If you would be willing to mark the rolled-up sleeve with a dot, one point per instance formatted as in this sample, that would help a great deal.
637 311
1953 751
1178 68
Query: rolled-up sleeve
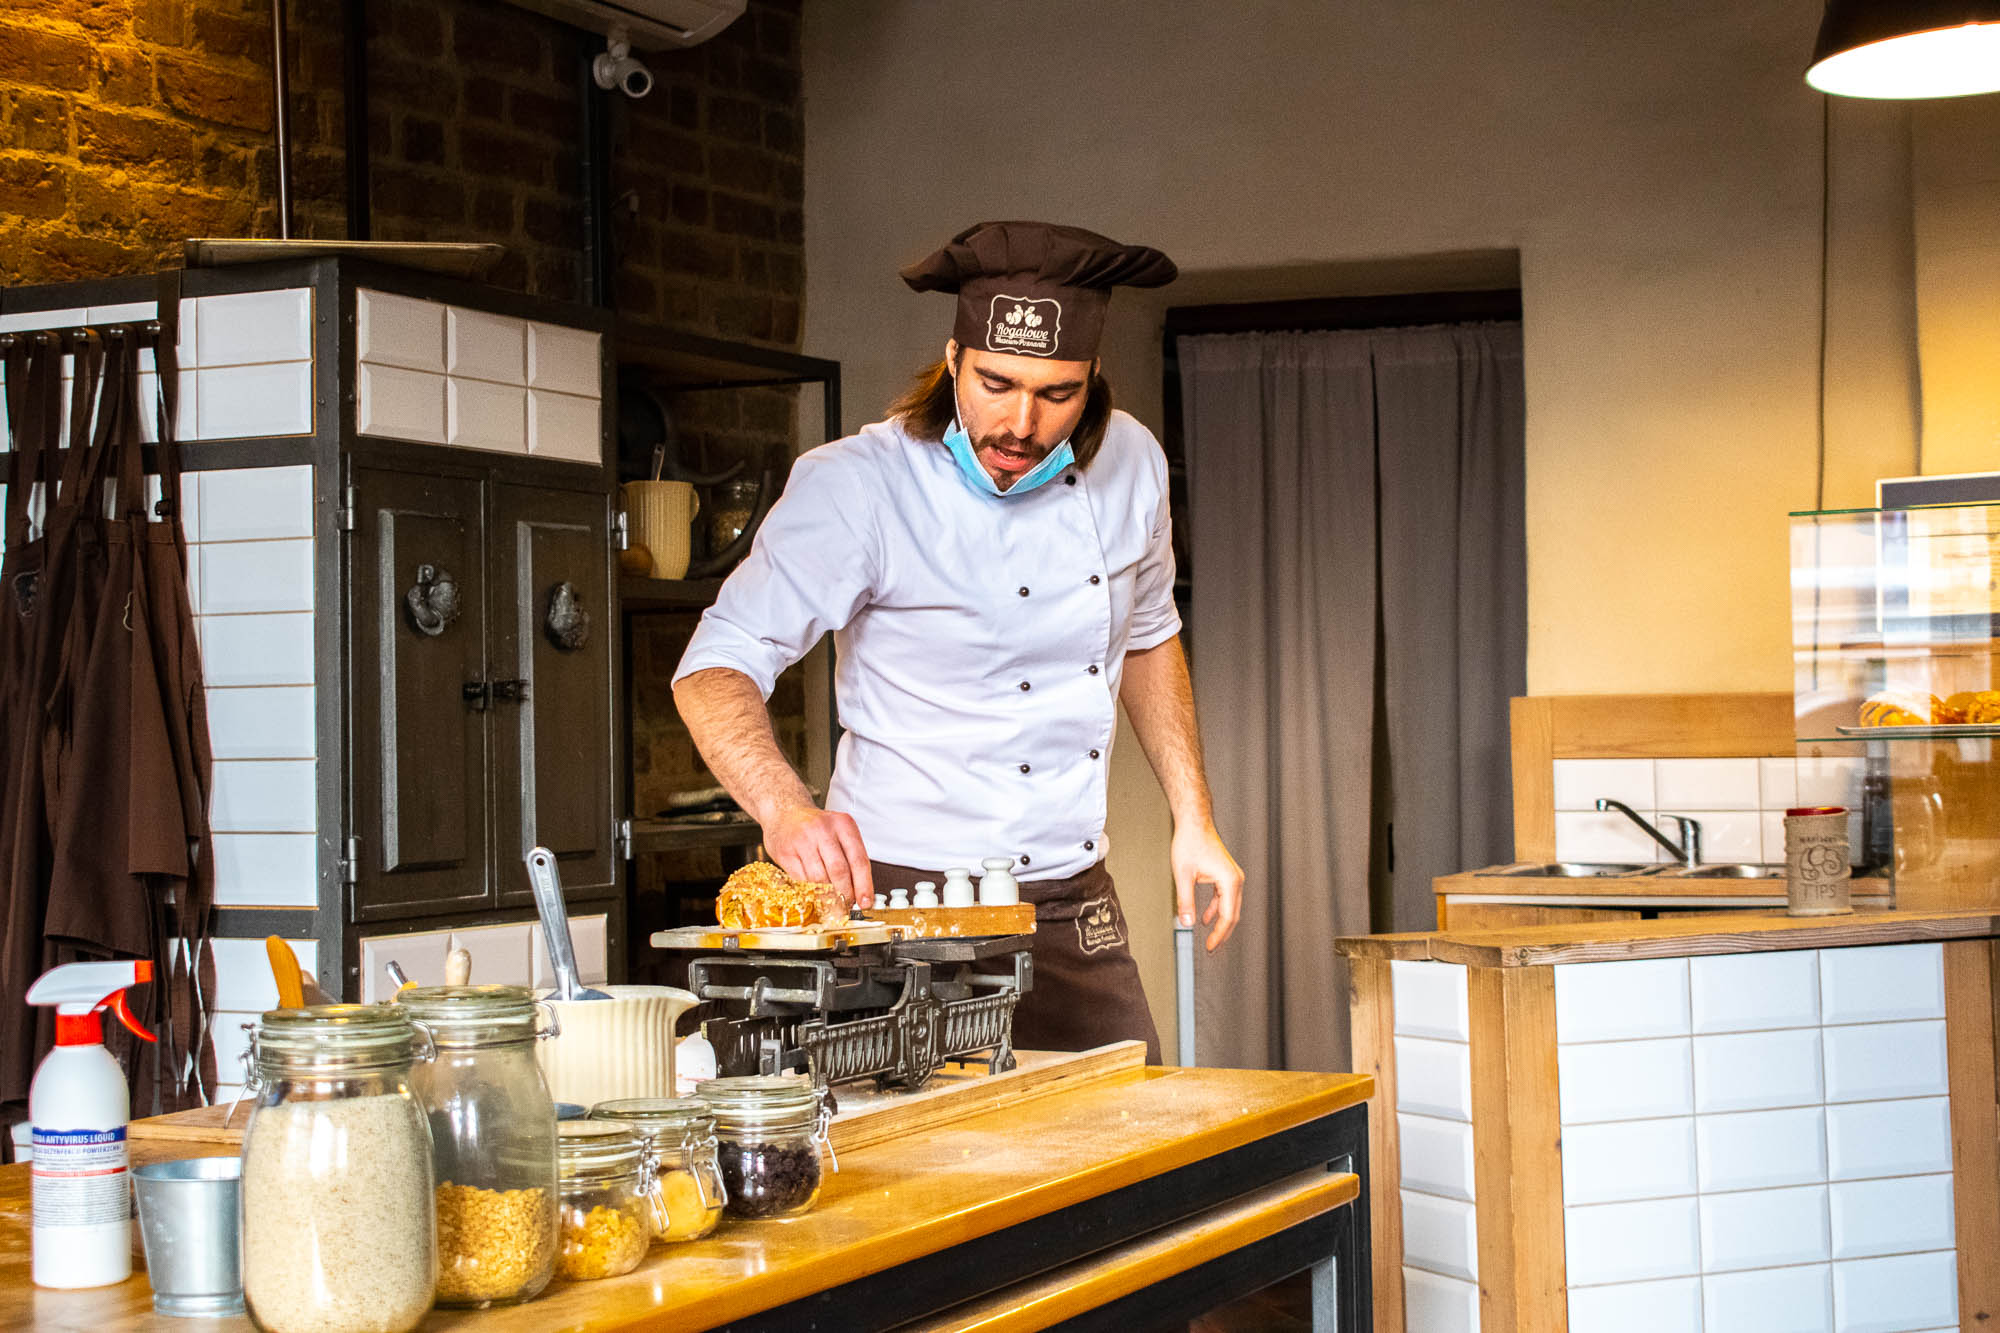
1155 618
810 569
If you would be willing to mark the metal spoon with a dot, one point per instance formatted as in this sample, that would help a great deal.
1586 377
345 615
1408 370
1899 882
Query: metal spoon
555 926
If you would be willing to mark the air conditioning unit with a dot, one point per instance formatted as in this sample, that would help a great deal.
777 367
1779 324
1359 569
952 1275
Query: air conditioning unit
647 24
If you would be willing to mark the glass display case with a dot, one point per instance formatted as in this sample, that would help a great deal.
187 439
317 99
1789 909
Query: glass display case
1896 657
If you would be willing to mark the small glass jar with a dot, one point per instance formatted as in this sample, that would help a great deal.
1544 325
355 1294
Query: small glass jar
606 1213
770 1128
493 1136
338 1224
729 512
680 1131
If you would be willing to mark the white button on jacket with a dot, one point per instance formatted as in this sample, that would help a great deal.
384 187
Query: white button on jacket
971 711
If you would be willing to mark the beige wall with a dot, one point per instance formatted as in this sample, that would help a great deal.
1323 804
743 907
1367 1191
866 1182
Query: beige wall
1958 281
1654 171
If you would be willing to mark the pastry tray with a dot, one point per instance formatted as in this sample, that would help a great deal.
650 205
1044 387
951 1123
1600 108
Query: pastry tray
777 939
1955 731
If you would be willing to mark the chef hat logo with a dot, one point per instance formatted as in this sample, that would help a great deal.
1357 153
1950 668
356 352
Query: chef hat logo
1024 325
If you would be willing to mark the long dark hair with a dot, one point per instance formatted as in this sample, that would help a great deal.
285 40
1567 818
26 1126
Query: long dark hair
927 409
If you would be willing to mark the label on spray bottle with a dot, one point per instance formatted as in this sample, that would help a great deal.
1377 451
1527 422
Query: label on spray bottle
80 1177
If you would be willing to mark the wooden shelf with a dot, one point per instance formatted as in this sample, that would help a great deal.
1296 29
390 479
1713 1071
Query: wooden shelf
659 835
635 594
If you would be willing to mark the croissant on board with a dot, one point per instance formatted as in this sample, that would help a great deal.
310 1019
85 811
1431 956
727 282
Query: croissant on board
760 896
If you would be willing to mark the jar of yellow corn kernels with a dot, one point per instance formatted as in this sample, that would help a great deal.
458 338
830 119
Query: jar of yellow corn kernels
604 1189
681 1133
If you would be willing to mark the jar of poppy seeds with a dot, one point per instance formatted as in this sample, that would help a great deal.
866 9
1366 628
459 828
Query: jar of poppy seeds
770 1129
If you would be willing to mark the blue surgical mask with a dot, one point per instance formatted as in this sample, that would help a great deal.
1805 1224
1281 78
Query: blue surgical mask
976 476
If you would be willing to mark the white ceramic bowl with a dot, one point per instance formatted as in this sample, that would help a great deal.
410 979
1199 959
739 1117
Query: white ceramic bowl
620 1047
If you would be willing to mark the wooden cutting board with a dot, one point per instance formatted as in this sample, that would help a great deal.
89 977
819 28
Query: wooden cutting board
866 1116
957 922
784 939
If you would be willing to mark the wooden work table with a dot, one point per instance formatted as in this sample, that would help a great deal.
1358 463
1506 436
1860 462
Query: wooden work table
1144 1195
1742 1119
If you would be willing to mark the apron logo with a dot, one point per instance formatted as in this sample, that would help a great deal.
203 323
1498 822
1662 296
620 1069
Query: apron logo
1023 325
1099 926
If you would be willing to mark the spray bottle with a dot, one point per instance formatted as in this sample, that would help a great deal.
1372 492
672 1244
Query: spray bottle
79 1106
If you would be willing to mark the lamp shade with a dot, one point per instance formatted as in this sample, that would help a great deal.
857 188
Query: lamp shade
1907 48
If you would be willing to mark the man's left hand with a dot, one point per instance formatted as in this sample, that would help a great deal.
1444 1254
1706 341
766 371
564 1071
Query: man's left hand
1200 858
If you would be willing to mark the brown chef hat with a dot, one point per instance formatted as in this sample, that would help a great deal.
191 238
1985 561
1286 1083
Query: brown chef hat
1033 288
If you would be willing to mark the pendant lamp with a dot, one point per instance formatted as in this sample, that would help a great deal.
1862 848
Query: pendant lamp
1907 48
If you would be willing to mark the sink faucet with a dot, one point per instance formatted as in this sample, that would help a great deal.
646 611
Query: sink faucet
1687 851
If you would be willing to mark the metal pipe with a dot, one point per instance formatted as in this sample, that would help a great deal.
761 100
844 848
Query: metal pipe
1184 993
354 73
281 118
595 166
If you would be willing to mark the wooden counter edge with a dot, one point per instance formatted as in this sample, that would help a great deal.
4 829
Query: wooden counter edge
1097 1281
1612 941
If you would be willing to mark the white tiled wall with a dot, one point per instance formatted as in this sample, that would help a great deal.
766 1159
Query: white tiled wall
1757 1142
1741 804
245 361
244 988
1433 1036
443 374
505 955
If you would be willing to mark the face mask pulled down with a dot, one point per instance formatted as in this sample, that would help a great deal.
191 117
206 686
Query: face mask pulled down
976 476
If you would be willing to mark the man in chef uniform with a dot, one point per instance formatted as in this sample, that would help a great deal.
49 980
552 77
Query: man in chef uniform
995 563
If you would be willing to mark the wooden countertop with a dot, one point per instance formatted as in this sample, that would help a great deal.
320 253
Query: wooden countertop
890 1203
1610 941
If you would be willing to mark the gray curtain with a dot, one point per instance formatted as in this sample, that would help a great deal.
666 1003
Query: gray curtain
1355 504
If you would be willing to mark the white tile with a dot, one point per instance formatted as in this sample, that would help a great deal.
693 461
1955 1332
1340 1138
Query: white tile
1433 1078
266 870
564 426
124 314
564 359
399 331
256 504
257 650
588 937
1430 1000
1772 823
1673 1306
1439 1304
1868 1140
238 401
1705 784
482 346
1607 837
397 404
1626 1160
1770 1300
44 319
1756 1071
1896 1216
243 981
1892 1295
1763 1229
1624 1080
262 722
1631 1242
244 577
1755 1150
500 954
1777 784
1726 835
230 1037
421 956
250 328
1879 1061
486 416
1622 1001
1834 780
1746 992
1435 1155
186 419
1882 982
264 796
1440 1236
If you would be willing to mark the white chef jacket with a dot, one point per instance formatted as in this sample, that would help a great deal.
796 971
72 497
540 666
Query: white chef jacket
980 638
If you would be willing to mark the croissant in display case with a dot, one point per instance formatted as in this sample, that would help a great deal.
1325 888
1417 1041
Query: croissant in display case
1905 708
761 896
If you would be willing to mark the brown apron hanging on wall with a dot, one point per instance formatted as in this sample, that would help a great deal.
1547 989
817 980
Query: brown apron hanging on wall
124 758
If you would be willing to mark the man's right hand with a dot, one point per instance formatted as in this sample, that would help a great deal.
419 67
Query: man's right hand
823 845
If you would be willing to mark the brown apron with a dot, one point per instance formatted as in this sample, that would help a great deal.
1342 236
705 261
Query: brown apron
1087 990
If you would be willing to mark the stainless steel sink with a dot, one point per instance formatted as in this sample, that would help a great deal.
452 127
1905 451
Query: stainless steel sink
1724 870
1576 870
